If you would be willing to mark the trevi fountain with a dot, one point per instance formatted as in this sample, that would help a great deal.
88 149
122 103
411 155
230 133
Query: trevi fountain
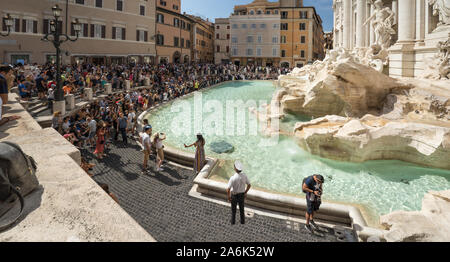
382 93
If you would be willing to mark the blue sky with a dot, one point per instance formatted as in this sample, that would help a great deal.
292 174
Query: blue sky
223 8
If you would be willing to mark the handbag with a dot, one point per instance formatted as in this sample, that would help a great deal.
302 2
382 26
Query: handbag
17 180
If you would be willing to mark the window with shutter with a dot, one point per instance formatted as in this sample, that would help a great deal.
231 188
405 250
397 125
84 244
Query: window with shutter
145 36
35 25
17 25
137 35
123 34
45 28
24 26
92 30
72 30
119 5
4 28
85 30
103 31
114 32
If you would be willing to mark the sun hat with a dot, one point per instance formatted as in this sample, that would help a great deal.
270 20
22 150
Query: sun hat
238 165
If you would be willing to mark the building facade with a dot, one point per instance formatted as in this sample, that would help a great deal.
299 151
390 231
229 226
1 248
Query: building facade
301 34
125 27
282 33
414 29
173 33
222 40
202 39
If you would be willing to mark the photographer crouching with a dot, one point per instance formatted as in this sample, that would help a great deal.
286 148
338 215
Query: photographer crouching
312 186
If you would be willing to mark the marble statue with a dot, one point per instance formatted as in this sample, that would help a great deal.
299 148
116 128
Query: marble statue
328 41
441 8
438 66
383 21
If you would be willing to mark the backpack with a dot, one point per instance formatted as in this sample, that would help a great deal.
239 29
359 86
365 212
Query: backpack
17 179
304 180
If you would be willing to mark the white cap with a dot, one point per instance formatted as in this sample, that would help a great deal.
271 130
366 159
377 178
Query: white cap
238 165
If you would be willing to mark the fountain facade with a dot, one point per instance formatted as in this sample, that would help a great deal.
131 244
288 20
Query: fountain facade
382 93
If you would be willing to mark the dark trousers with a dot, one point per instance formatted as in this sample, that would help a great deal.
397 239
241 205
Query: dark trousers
123 132
235 200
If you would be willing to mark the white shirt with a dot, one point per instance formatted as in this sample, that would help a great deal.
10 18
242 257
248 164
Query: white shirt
131 117
92 126
146 141
159 144
237 183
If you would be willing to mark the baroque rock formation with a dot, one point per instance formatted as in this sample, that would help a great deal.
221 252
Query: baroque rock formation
340 85
375 138
428 225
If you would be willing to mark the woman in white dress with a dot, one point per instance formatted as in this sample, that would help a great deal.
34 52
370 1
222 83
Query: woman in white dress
157 141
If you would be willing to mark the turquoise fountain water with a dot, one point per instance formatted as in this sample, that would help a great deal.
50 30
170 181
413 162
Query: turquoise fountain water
379 186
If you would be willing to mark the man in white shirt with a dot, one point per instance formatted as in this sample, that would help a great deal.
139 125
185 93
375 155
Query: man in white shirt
131 122
237 192
146 143
92 124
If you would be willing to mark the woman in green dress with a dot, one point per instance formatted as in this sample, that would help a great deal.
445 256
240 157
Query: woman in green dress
200 158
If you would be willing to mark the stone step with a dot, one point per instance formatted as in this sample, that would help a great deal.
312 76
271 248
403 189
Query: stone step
81 104
44 121
33 107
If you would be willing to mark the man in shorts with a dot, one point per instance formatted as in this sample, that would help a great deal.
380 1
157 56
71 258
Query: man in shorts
312 186
92 124
147 144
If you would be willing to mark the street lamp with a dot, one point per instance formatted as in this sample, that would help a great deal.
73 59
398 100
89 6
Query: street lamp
8 20
56 37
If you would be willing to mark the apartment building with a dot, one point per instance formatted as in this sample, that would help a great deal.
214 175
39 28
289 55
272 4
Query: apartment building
113 31
173 33
282 33
222 40
202 39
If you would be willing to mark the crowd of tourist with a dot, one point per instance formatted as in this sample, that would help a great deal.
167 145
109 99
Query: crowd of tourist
100 123
168 80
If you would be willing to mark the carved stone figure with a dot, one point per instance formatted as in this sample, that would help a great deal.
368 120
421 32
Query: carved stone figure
383 20
328 41
441 8
438 67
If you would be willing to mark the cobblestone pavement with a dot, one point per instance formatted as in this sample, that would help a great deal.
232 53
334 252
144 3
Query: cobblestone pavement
160 203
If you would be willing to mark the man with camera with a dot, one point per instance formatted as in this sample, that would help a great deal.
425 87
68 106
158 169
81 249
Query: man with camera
312 186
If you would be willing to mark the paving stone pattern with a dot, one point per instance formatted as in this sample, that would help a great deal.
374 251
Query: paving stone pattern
160 203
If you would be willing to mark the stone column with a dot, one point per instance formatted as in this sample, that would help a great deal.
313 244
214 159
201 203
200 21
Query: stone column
108 88
372 32
88 94
147 81
59 106
406 21
70 102
127 85
347 23
360 19
402 55
395 10
367 28
420 22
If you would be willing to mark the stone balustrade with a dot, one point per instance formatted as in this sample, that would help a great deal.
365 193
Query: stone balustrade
70 102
